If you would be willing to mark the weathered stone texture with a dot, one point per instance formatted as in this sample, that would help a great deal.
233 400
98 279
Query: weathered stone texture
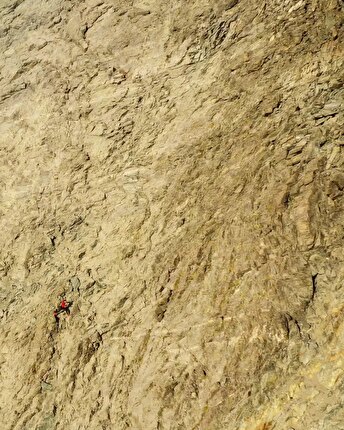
177 169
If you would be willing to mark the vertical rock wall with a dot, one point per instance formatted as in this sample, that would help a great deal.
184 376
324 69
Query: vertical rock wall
176 168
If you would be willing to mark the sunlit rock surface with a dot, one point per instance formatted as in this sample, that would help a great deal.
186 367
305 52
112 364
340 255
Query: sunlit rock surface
177 169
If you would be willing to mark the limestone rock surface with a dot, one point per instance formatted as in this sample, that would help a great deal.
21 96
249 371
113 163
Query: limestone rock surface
176 168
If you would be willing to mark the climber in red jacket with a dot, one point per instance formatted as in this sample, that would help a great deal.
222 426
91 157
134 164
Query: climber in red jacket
64 306
64 303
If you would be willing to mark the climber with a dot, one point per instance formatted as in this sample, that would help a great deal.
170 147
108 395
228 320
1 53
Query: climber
64 306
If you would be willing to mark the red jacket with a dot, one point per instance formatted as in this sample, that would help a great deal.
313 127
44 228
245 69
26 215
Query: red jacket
64 304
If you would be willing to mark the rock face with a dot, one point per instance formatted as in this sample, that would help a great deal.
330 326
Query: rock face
176 168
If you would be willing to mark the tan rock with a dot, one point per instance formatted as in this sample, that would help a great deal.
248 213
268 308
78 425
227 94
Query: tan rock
176 170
